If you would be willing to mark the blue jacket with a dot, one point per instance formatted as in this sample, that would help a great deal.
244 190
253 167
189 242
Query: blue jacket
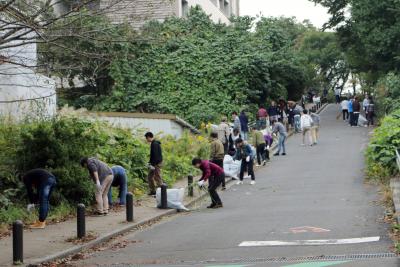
243 152
351 106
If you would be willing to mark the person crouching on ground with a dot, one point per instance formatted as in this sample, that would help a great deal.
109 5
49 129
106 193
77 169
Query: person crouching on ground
102 176
121 181
155 162
244 154
306 124
217 153
44 182
214 174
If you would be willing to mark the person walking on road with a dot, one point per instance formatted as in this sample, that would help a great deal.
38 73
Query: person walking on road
214 174
43 182
223 133
259 144
236 121
370 112
356 111
244 125
268 141
297 110
306 124
217 153
315 127
244 153
155 163
102 176
337 95
345 109
279 128
120 180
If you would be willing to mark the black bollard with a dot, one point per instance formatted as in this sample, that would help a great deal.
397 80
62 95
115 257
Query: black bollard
164 203
190 186
81 221
129 207
18 242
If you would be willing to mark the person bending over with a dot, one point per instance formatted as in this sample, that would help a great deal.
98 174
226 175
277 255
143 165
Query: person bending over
214 174
44 183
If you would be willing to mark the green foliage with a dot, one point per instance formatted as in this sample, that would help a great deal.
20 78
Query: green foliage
58 144
381 155
199 70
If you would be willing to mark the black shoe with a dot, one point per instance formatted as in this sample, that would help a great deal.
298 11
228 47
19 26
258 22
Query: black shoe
223 188
218 206
212 206
276 154
151 194
283 154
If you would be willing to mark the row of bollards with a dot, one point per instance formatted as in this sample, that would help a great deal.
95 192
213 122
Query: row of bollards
18 226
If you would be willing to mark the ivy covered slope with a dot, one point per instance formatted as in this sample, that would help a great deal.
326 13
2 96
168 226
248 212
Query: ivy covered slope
59 143
198 69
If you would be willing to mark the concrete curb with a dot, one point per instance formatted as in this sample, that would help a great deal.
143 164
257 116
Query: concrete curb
395 186
106 237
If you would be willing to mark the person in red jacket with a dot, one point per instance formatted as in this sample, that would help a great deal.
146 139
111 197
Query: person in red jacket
214 174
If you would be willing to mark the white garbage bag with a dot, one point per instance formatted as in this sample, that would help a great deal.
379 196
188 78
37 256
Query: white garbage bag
231 167
362 121
174 198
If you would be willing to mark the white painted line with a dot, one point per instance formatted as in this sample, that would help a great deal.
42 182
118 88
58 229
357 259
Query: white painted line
321 242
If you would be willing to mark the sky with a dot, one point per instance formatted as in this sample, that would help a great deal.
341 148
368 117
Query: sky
301 9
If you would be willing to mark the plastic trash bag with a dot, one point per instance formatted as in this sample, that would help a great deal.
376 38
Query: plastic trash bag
174 198
231 167
362 121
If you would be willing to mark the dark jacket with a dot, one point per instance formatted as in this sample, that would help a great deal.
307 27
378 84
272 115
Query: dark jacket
273 111
356 106
35 178
155 153
243 152
244 122
210 169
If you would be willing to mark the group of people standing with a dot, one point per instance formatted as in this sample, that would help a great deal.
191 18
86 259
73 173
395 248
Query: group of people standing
252 144
352 108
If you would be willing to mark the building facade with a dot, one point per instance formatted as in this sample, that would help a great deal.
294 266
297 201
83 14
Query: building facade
137 12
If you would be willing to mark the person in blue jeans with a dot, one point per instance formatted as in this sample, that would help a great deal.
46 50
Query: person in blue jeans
43 182
278 127
120 180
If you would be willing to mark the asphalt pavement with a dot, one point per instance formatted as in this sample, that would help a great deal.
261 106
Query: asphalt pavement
314 195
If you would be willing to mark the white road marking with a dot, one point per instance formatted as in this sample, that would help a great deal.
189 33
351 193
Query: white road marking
321 242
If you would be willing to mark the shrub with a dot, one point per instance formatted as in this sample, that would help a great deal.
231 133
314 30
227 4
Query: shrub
58 144
381 152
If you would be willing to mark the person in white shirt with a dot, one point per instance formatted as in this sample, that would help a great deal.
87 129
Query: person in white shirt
306 123
366 103
337 94
345 109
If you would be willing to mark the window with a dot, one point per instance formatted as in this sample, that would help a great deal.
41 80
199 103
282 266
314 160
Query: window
185 8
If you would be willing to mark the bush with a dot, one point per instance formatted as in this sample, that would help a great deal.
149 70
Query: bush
58 144
381 153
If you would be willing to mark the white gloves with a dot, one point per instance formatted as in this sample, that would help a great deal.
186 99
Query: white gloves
248 159
151 167
30 207
98 185
200 183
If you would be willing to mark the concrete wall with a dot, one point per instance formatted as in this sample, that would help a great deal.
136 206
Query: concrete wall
17 85
137 12
157 126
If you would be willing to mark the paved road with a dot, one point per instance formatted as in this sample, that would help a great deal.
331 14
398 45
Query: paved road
319 187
